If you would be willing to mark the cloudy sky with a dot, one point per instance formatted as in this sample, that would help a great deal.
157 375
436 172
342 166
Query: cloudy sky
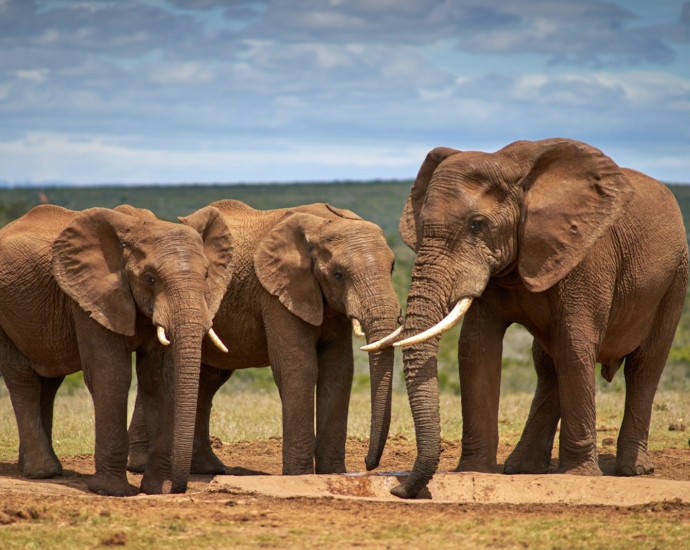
284 90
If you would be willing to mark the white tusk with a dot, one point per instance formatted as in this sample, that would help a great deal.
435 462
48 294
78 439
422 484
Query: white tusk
383 342
214 338
357 327
160 331
451 319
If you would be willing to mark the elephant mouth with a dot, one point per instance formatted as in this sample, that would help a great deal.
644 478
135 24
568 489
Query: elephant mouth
448 322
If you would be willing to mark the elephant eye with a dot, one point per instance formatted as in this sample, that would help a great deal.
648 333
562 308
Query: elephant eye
150 280
338 276
476 226
206 276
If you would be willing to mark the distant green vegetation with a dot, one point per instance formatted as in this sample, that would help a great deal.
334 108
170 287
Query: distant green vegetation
381 202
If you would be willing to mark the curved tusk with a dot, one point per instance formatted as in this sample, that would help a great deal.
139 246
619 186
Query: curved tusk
450 320
357 327
217 341
160 331
383 342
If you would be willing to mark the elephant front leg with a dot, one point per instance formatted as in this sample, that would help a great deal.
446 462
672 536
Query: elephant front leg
479 361
532 455
138 438
574 360
336 369
292 353
204 460
108 374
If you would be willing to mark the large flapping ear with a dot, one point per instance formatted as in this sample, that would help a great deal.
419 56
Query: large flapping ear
409 227
343 213
88 266
218 249
573 193
283 264
139 213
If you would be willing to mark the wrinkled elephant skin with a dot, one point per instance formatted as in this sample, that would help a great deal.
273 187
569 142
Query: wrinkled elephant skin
304 276
591 258
85 290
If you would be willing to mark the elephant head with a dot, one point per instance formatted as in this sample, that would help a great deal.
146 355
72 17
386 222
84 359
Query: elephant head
344 261
534 208
114 264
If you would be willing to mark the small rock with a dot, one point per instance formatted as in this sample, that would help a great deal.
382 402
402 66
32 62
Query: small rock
609 441
676 428
216 443
118 539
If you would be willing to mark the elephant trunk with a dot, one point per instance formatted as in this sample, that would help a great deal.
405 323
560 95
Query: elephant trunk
426 306
381 371
186 348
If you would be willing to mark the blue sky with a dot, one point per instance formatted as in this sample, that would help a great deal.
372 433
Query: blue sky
167 91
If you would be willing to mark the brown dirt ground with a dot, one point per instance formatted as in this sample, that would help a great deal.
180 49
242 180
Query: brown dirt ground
273 515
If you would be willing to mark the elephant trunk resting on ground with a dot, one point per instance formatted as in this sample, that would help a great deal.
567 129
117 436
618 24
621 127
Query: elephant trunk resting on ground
84 290
303 277
591 258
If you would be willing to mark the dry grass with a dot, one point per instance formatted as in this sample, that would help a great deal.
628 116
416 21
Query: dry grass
256 416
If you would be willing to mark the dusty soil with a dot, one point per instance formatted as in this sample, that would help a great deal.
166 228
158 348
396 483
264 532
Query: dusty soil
66 501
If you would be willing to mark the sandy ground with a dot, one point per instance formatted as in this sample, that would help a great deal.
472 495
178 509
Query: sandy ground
250 519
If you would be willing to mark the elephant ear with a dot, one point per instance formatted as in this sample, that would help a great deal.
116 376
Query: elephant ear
283 264
88 265
347 214
409 227
139 213
219 249
573 194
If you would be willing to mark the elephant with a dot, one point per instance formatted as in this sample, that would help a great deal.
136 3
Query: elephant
304 277
591 258
83 290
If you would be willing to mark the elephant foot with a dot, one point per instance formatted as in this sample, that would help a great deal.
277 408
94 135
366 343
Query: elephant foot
46 468
136 461
206 463
332 468
588 467
634 464
526 463
401 491
482 465
153 485
110 485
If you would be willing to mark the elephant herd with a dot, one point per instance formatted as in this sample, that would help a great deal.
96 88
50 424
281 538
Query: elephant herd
591 258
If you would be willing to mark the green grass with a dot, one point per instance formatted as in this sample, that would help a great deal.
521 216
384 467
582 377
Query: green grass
255 415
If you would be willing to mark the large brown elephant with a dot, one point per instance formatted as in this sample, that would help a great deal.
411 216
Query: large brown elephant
591 258
85 290
303 277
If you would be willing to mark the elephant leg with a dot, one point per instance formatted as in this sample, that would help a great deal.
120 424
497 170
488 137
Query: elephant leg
479 360
36 457
294 362
532 455
107 368
642 371
574 360
204 460
333 386
49 388
138 437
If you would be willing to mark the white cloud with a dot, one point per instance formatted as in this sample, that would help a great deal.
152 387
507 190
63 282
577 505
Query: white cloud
100 159
181 73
